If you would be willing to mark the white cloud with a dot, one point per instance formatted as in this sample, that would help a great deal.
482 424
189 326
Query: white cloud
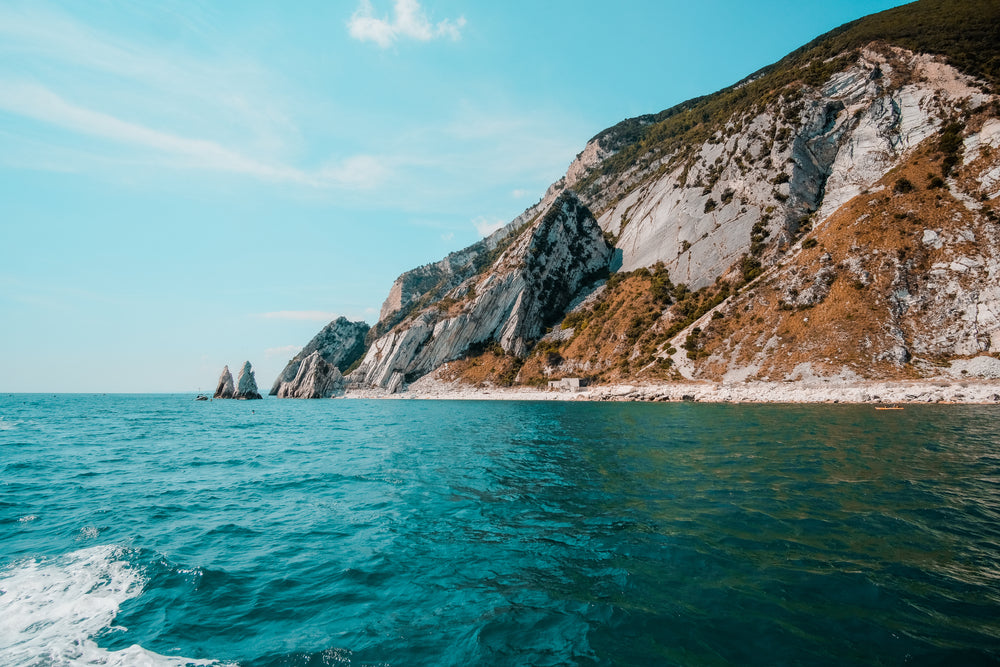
448 237
306 315
282 351
408 20
519 193
485 226
38 103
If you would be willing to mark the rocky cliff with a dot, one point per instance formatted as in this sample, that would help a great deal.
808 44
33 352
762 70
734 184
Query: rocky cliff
339 344
854 179
523 287
314 378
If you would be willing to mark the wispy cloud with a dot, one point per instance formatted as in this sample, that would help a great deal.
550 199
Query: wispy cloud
160 79
38 103
484 226
122 103
408 21
303 315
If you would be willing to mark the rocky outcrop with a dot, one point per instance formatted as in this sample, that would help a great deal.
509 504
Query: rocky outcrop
246 384
422 286
315 378
224 388
509 303
340 343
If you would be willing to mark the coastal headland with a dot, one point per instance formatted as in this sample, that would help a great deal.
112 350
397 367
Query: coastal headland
826 229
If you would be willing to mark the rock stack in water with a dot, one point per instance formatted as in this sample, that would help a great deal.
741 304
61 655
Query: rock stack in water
225 387
246 385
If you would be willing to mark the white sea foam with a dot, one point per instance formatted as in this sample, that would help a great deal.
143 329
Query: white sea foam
50 610
7 425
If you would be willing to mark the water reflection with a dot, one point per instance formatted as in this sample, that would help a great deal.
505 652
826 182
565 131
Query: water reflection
727 532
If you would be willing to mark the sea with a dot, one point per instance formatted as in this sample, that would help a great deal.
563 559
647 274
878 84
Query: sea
160 530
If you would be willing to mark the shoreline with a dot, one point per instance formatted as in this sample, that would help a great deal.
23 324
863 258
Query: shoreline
972 391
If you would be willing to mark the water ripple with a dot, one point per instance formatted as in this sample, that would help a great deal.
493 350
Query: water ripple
425 533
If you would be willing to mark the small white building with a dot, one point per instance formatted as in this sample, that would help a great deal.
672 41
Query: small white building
567 384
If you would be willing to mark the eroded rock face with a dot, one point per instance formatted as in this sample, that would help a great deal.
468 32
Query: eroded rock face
246 384
340 343
510 302
315 378
790 164
224 388
420 286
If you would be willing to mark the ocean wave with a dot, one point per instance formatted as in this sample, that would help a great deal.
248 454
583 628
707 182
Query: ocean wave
7 425
53 608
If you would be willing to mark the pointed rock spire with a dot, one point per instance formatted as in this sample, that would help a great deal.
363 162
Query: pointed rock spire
246 386
225 387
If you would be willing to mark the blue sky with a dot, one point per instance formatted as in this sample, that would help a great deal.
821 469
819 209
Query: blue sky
185 185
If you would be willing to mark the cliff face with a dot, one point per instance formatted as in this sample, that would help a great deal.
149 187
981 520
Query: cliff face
339 344
314 378
424 285
854 179
776 166
899 282
508 303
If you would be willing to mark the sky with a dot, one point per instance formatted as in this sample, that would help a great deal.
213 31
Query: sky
186 185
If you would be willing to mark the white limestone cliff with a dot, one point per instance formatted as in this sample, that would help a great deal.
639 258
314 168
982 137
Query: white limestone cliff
340 343
795 162
315 378
510 302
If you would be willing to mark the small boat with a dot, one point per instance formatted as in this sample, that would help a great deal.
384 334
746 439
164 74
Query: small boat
889 407
201 397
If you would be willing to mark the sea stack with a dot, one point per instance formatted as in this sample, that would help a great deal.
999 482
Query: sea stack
246 387
225 387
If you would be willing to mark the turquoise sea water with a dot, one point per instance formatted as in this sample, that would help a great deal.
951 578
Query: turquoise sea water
160 530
